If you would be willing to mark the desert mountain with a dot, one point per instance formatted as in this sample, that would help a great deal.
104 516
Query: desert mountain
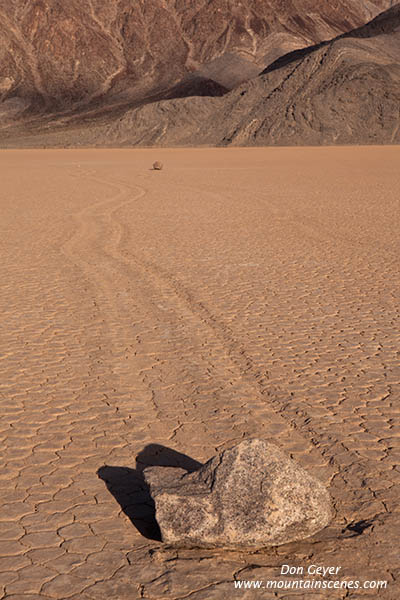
67 65
338 92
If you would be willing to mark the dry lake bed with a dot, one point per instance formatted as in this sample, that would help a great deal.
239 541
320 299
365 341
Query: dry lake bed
156 317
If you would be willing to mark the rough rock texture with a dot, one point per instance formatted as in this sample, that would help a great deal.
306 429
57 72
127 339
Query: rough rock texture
74 59
249 496
340 92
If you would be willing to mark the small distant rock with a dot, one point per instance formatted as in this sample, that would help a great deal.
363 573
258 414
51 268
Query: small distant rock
250 496
157 166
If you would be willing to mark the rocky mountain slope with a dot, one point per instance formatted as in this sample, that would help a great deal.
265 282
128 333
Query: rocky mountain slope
339 92
343 91
67 65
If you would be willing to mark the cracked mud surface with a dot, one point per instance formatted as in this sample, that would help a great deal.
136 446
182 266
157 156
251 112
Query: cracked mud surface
237 293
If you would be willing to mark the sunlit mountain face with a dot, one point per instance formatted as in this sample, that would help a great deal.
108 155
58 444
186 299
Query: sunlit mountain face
77 65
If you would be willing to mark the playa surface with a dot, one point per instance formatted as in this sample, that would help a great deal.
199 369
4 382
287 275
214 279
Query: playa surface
154 317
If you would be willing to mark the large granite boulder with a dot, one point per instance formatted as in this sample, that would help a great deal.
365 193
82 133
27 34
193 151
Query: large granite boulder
250 496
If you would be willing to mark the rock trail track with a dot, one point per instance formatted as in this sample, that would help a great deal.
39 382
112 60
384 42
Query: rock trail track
237 293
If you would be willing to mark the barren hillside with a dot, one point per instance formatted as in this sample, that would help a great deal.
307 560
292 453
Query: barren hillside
66 64
344 91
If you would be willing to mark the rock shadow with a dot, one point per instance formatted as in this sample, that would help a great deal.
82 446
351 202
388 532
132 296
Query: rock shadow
131 491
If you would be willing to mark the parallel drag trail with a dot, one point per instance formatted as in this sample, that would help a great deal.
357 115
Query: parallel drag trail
128 286
153 282
230 361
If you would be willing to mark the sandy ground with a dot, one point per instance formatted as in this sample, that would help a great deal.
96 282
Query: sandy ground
154 317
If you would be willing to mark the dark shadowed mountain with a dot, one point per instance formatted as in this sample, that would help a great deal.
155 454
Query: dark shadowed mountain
177 72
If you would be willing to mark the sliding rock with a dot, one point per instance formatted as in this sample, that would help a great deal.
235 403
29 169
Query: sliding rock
250 496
